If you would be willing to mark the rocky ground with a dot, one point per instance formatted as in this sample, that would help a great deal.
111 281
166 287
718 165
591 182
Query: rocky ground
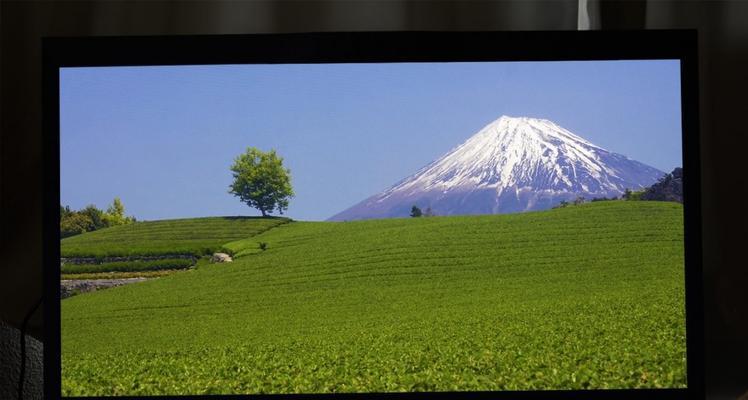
76 286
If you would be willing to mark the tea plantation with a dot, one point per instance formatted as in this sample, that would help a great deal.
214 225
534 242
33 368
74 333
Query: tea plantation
196 236
590 296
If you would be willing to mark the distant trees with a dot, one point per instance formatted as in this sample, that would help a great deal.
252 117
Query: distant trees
565 203
115 214
636 196
629 195
91 218
95 215
668 188
562 204
416 212
75 223
261 181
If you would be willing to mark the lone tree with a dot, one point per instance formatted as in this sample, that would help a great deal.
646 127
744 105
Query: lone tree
415 212
261 181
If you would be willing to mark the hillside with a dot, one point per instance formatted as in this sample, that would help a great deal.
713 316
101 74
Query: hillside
668 188
196 236
590 296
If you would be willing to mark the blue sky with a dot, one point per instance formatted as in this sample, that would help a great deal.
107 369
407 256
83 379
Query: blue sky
163 138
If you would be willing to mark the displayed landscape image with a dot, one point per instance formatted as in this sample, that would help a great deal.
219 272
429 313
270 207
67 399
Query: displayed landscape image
371 228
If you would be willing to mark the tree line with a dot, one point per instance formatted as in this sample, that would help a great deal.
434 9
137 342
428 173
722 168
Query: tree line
668 188
91 218
416 212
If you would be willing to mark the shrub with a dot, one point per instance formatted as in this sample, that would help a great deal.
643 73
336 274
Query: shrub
74 224
636 196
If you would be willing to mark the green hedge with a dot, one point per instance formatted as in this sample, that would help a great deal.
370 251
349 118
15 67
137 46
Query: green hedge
128 266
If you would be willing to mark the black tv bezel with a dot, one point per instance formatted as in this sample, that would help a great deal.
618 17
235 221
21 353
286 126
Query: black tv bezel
383 47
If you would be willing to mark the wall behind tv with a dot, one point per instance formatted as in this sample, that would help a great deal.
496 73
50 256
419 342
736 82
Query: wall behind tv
723 46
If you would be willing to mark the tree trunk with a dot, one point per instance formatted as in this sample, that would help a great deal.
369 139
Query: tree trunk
263 212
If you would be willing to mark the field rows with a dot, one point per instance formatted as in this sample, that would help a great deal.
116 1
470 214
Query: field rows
197 236
128 266
582 297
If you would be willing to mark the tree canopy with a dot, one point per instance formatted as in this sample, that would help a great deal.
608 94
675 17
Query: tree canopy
261 181
92 218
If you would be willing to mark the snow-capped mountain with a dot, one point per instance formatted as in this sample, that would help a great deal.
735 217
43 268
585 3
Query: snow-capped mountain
511 165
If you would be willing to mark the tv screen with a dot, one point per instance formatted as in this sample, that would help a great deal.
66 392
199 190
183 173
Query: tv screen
489 213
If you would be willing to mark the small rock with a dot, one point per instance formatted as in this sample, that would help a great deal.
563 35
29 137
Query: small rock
220 258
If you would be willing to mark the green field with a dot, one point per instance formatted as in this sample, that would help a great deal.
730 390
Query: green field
197 236
128 266
120 275
590 296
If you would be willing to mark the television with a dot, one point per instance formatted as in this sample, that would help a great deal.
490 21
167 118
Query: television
373 215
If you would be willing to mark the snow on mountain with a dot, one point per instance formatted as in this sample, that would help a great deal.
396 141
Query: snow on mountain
511 165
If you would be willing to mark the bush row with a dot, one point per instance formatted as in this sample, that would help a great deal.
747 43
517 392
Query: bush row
127 266
119 275
125 251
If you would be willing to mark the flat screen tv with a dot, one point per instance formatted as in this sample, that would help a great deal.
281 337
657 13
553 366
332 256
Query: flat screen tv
410 214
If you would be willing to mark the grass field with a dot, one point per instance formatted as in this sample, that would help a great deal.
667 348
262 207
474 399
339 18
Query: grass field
590 296
197 236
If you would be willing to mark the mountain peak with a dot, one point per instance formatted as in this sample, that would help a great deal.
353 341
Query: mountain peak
512 164
509 118
532 128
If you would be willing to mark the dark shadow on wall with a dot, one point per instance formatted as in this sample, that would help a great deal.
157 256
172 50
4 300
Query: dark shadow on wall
10 358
